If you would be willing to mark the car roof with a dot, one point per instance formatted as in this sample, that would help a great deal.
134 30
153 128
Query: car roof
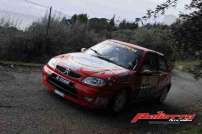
135 46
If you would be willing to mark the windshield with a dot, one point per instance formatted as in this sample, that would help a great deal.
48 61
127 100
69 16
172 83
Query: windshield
116 53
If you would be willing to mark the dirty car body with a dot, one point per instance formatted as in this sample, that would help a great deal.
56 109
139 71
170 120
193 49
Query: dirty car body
94 78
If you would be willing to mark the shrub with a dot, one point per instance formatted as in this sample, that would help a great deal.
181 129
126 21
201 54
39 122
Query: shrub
36 44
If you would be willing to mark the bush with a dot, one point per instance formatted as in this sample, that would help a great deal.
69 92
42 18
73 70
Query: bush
35 45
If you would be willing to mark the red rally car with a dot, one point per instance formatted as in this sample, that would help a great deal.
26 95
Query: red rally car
109 75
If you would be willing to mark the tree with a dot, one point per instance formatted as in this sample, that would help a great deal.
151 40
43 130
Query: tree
128 25
187 30
98 24
111 26
75 19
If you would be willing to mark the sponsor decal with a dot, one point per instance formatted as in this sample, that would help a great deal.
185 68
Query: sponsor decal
67 71
62 80
162 118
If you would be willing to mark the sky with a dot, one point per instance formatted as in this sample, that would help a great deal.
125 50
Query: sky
24 12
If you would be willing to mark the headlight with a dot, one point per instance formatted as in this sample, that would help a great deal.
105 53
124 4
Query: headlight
52 63
93 81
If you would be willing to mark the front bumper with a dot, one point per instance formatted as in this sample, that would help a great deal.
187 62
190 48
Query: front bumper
78 93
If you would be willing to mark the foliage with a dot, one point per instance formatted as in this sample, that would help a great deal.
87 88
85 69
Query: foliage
34 45
187 30
188 33
69 35
128 25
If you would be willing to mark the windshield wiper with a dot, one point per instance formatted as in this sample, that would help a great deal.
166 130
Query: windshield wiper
95 51
101 56
106 58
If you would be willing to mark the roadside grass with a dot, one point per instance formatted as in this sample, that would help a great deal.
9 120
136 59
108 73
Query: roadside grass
186 65
194 127
190 130
22 64
194 67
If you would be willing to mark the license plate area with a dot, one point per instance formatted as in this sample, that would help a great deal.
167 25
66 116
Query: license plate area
67 82
62 85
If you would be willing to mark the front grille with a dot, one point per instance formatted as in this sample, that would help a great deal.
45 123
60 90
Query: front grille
67 89
68 72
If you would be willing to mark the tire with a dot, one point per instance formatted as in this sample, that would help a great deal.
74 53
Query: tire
163 95
118 102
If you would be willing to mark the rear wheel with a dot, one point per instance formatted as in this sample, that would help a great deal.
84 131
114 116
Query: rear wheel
118 102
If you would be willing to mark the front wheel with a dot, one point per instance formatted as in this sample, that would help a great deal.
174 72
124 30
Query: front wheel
118 102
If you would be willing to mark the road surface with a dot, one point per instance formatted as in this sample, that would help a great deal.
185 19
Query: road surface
27 108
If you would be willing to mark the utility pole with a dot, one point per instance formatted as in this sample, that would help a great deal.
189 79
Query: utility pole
47 40
49 19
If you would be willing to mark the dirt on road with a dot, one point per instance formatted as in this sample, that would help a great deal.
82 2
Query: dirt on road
27 108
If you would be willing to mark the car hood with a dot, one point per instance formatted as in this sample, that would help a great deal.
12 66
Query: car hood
87 64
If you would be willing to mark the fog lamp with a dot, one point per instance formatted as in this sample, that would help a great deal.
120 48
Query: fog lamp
89 99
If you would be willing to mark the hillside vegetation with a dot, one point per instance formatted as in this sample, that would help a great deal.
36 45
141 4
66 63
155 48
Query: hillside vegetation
36 44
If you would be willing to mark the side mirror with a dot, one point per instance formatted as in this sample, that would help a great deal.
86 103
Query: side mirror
146 72
83 49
